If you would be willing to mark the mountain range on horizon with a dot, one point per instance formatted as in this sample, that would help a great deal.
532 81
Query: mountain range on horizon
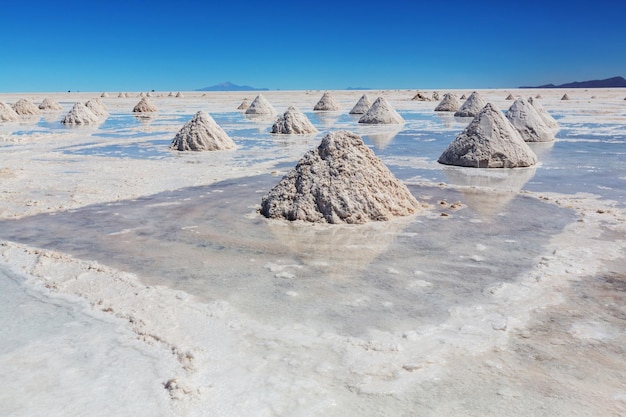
606 83
228 86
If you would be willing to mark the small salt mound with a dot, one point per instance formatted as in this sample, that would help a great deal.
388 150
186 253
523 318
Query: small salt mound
381 112
472 106
179 95
538 96
489 141
463 97
260 106
7 114
421 97
145 105
170 94
104 95
327 103
126 95
528 122
293 122
435 96
202 134
244 104
120 95
510 97
565 97
49 104
97 107
362 106
148 94
25 107
341 181
449 103
547 117
142 94
79 115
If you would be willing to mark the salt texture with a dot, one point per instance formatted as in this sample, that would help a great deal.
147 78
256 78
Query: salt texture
528 122
449 103
79 115
49 104
489 141
144 105
97 107
381 112
341 181
547 117
260 106
472 106
362 106
202 134
7 114
244 104
327 103
25 107
293 122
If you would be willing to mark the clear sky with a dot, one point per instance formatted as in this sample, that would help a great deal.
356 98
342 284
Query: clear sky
139 45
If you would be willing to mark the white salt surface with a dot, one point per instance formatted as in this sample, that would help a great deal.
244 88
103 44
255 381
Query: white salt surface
147 279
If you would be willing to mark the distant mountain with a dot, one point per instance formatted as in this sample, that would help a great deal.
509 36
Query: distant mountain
608 83
228 86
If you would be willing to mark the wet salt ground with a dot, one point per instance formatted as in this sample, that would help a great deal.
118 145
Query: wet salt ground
209 242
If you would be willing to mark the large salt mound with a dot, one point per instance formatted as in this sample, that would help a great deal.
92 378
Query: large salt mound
381 112
49 104
327 103
489 141
472 106
362 106
202 134
144 105
293 122
25 107
79 115
97 107
449 103
260 106
528 122
341 181
547 117
7 114
244 104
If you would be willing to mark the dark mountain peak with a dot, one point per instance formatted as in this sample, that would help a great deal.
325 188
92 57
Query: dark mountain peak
228 86
612 82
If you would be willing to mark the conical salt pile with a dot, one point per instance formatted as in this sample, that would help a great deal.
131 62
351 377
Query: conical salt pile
472 106
79 115
244 104
25 107
528 122
327 103
449 103
538 96
341 181
49 104
362 106
120 95
489 141
547 117
97 107
179 95
104 95
202 134
7 114
260 106
142 94
463 97
435 96
421 97
170 94
149 94
381 112
565 97
293 122
144 105
510 97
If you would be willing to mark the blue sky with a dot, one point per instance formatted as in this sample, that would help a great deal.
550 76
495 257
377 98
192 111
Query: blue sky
185 45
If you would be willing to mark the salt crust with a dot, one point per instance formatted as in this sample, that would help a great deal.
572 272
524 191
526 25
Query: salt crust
7 114
489 141
381 112
49 104
201 133
80 115
528 122
293 122
362 106
145 106
25 107
449 103
260 106
472 106
341 181
327 103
